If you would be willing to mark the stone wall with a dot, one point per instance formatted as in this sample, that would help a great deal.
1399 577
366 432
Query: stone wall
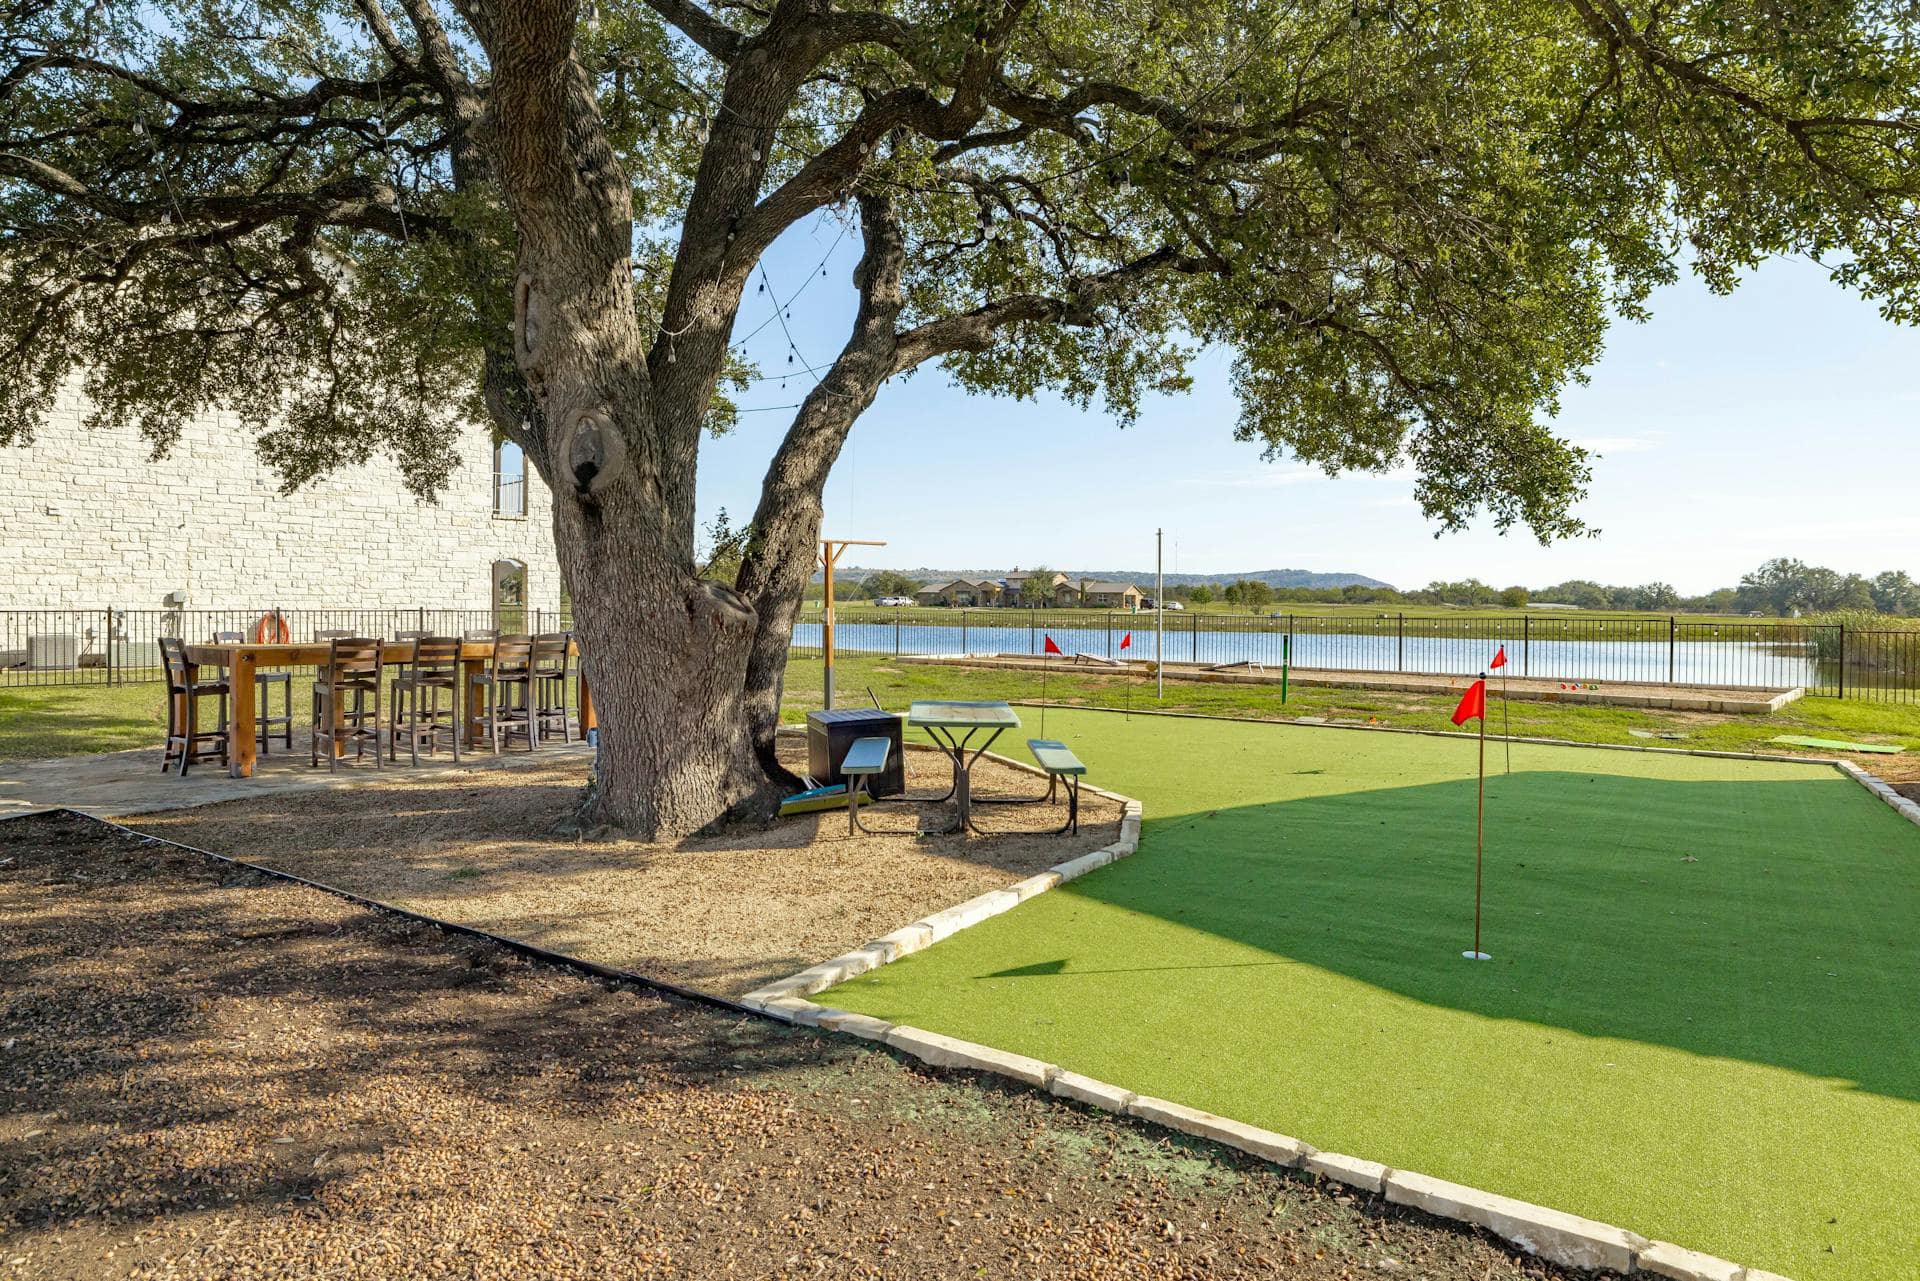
87 520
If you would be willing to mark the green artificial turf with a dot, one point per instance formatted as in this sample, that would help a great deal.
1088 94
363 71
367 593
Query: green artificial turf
1699 1022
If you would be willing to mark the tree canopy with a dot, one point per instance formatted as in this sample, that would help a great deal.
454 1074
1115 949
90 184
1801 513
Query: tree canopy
1410 222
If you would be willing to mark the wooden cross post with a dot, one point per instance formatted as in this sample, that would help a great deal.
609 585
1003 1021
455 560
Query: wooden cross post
830 549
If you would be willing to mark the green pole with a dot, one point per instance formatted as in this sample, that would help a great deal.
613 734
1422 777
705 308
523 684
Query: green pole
1286 665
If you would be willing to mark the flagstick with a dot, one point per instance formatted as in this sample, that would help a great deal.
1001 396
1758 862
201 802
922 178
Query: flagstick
1506 723
1479 838
1046 665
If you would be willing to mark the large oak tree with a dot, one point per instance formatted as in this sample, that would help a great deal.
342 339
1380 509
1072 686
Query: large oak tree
355 222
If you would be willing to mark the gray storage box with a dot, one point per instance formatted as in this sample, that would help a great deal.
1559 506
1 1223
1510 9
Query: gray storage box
830 734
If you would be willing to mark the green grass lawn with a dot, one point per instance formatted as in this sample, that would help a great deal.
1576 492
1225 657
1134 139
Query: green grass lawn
65 720
1698 1022
41 721
896 684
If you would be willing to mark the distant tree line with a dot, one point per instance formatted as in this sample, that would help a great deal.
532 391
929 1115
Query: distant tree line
1782 586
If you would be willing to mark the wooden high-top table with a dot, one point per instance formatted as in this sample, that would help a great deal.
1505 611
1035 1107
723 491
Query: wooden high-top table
240 662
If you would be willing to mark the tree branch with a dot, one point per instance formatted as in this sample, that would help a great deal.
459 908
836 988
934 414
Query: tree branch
701 27
977 330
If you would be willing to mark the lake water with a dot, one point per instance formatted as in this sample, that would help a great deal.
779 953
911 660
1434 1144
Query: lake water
1734 662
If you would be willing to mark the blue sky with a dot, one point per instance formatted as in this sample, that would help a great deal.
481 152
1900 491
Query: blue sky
1777 421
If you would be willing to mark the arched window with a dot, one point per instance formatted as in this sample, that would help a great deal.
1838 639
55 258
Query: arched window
509 478
510 595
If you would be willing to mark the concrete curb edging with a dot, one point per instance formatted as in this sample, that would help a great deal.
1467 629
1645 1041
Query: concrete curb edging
1550 1234
1909 810
933 927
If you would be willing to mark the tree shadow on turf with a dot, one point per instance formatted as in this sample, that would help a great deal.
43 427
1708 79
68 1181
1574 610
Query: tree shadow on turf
1765 921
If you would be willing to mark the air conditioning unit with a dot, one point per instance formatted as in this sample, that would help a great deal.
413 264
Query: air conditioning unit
51 651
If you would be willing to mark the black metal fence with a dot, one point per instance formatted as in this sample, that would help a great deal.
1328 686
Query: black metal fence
121 646
115 646
1827 659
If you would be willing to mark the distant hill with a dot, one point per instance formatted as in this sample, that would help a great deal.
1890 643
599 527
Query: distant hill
1144 578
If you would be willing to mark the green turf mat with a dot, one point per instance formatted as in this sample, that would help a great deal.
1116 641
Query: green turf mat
1698 1022
1838 745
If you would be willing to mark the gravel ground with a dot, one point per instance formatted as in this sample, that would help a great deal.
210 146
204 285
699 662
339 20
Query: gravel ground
723 914
206 1073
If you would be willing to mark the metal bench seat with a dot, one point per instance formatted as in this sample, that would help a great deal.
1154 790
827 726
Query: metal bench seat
1058 760
867 757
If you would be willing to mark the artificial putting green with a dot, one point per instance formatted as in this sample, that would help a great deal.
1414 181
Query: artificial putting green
1701 1022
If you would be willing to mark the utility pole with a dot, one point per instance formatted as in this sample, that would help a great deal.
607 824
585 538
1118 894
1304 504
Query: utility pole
830 549
1159 615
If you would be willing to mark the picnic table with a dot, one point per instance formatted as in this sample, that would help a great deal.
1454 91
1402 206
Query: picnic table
241 661
953 725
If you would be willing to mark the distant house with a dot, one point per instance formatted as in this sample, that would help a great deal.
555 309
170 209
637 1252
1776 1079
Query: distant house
1066 593
1016 587
962 593
1096 593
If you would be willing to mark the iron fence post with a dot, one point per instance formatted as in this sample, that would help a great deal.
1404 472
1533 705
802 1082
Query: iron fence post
896 631
963 632
1400 644
1673 628
107 633
1526 644
1193 628
1843 659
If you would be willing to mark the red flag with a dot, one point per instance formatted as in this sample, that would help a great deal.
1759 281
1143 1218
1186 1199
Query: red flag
1053 648
1473 703
1500 659
1126 640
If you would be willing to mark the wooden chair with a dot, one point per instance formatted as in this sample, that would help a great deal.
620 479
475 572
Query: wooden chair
511 673
417 713
264 721
185 689
332 634
477 687
399 667
552 672
340 692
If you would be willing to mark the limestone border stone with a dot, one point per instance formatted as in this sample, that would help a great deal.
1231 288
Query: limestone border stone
935 926
1554 1235
1550 1234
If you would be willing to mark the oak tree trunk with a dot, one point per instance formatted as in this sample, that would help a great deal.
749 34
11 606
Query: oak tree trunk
666 657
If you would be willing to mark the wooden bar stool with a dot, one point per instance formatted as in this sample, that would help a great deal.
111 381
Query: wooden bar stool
185 689
511 672
478 687
552 700
265 721
416 698
340 713
399 667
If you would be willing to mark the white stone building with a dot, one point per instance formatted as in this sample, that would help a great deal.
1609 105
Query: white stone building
88 521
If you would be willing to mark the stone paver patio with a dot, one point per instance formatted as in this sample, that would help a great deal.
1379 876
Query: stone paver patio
118 783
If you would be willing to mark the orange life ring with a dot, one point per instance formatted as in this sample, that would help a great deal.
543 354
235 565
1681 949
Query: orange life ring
271 628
